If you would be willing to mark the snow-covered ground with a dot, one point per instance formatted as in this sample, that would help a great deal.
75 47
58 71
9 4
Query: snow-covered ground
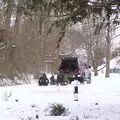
99 100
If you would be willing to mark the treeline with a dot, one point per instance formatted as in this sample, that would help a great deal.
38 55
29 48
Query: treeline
32 32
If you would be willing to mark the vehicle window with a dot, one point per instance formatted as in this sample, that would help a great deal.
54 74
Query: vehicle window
69 64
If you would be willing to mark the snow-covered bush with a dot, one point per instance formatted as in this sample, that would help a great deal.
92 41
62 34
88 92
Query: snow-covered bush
19 79
7 94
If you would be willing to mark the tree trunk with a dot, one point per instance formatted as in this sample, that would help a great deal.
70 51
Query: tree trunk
18 16
95 68
95 72
108 43
9 13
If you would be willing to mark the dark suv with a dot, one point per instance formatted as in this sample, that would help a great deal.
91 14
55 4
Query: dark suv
69 67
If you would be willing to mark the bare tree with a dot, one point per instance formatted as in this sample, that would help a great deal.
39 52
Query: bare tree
93 43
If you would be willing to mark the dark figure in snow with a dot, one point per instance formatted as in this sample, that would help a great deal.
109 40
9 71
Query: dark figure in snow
79 78
43 80
60 78
52 80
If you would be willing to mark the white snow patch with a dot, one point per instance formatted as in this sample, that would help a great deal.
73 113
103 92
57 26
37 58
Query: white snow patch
97 101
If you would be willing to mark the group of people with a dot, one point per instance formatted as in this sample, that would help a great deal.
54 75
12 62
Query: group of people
60 78
43 79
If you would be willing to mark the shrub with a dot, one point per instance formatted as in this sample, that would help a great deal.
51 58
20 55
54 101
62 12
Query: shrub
57 110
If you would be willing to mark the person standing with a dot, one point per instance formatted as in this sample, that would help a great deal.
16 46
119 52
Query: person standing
76 83
87 72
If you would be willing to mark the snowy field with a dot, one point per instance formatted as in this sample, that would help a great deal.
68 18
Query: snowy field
99 100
